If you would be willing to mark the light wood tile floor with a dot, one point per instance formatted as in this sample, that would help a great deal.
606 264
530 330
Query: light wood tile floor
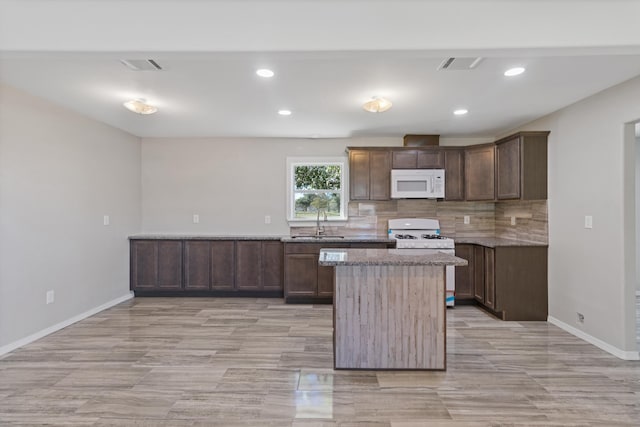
258 362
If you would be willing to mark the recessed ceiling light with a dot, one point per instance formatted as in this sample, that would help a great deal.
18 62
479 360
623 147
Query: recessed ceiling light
377 105
284 112
514 71
460 112
265 72
140 106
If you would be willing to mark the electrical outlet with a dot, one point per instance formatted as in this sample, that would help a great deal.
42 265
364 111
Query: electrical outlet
267 219
580 317
588 221
467 219
105 220
50 297
196 218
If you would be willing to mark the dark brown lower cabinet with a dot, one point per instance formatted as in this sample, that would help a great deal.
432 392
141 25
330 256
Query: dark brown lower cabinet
301 275
258 265
207 267
510 281
223 265
489 278
272 266
478 273
304 279
156 265
197 265
464 274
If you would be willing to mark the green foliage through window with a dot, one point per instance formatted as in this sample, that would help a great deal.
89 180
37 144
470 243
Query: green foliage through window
325 177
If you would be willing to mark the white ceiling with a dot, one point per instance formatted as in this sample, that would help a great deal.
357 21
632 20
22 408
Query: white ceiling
220 95
329 57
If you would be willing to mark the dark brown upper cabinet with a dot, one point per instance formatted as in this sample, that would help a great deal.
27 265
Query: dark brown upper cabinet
521 166
418 159
479 172
369 174
431 159
454 174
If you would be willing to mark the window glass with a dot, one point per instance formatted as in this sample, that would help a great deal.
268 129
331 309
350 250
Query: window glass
316 189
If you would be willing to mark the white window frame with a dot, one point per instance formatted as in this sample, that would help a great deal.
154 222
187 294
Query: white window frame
292 162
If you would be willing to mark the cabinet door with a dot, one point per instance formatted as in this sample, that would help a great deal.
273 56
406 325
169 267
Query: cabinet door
454 174
326 281
479 173
489 278
464 274
144 264
430 159
248 265
170 265
508 169
359 175
272 264
222 265
478 273
197 260
404 159
301 275
380 175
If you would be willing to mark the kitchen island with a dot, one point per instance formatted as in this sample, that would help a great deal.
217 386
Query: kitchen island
389 308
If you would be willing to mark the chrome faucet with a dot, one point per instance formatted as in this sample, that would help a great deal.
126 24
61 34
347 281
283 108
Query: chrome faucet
320 229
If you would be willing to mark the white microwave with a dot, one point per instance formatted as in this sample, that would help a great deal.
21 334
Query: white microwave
417 183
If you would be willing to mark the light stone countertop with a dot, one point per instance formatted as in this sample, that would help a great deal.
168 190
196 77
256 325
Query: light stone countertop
494 242
341 257
286 239
200 237
338 239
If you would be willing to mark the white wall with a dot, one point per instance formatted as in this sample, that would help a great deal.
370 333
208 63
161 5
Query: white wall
637 173
231 183
59 174
588 269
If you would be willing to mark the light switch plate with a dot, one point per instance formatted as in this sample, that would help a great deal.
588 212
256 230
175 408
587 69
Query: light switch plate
196 218
513 220
467 219
588 221
106 220
50 297
267 219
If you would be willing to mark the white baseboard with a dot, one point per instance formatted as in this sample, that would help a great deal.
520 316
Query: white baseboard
622 354
33 337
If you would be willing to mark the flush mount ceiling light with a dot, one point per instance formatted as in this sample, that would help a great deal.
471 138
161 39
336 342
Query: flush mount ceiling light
140 106
377 105
284 112
460 112
514 71
265 72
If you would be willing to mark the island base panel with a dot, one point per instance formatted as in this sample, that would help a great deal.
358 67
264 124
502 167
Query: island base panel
390 317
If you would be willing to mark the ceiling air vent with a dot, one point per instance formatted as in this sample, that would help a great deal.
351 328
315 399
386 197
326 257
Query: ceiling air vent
141 64
459 63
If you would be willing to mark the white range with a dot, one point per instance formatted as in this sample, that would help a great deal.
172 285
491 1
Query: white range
424 233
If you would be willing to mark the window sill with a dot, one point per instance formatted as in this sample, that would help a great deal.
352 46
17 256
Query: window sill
307 223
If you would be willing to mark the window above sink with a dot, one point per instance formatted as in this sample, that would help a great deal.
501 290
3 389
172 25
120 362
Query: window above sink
316 189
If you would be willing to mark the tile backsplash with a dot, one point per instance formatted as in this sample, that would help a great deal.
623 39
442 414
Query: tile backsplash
487 219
